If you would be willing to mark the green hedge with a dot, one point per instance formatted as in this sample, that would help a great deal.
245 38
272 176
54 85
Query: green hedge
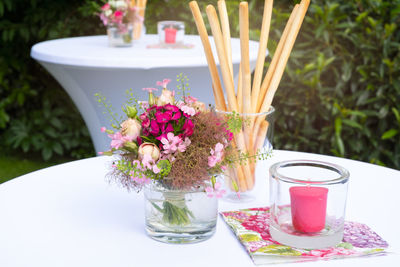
339 95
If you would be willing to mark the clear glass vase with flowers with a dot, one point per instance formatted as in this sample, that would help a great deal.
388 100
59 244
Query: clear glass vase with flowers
174 150
115 15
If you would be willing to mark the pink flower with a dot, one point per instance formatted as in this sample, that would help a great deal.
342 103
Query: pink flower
118 140
216 155
190 99
166 97
170 144
144 104
105 7
154 128
183 145
188 128
156 169
147 161
104 19
150 90
188 111
118 14
164 83
100 153
103 129
163 117
216 191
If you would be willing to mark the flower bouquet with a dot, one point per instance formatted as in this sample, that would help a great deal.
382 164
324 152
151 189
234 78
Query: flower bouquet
174 150
115 16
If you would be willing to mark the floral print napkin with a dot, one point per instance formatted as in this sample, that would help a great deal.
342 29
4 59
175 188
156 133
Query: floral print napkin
251 226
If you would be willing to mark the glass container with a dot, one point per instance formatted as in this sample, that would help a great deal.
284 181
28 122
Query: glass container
179 216
171 32
253 134
308 202
120 35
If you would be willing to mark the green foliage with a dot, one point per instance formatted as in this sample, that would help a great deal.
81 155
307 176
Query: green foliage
340 93
36 115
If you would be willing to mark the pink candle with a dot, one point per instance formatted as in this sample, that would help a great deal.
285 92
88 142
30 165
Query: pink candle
308 205
170 35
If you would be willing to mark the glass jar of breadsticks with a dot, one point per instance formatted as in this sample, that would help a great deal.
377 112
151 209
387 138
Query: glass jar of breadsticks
252 139
136 17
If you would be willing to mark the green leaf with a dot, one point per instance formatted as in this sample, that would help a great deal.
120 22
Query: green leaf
353 124
389 134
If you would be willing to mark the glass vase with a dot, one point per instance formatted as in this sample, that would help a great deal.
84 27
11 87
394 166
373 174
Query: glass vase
253 136
120 35
308 201
179 216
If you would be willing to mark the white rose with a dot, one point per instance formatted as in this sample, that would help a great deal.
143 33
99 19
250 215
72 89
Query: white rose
166 97
108 12
149 149
131 128
121 4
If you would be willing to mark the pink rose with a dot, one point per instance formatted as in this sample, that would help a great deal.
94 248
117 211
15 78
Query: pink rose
149 149
131 128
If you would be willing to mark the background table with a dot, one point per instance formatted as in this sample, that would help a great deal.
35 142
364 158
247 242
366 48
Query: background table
87 65
69 215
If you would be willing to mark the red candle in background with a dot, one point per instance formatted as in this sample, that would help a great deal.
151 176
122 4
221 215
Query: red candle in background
308 206
170 35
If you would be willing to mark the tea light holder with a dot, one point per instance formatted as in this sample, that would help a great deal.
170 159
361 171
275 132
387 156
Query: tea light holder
171 32
308 203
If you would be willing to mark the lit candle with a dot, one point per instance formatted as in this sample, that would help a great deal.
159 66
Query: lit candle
308 206
170 35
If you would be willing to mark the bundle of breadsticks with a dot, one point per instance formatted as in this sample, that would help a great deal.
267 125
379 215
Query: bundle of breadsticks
137 17
249 97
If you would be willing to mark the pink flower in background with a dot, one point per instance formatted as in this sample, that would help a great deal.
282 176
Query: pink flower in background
147 161
103 129
118 15
164 83
144 104
105 7
150 90
104 19
216 191
188 111
190 99
216 155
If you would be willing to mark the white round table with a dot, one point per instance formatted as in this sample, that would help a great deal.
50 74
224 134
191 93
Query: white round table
87 65
69 215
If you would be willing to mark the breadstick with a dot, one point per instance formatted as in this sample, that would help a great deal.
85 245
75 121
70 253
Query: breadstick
219 44
275 59
280 67
226 32
244 52
266 22
201 28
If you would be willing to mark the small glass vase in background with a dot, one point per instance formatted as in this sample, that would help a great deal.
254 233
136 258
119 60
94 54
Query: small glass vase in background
179 216
120 35
253 139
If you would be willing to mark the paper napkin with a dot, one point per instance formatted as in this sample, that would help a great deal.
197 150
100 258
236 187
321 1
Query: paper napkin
251 226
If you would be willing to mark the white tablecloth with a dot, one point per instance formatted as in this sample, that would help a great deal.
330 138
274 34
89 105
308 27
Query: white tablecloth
69 215
87 65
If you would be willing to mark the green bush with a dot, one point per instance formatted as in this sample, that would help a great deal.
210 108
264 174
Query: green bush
339 95
36 115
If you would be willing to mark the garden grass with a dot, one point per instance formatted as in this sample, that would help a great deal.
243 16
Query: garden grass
14 166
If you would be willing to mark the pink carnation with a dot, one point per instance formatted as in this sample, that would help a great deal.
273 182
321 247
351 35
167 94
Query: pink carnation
118 140
105 7
164 83
216 155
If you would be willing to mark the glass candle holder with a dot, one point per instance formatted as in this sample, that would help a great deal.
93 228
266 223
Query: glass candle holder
253 140
308 202
171 32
